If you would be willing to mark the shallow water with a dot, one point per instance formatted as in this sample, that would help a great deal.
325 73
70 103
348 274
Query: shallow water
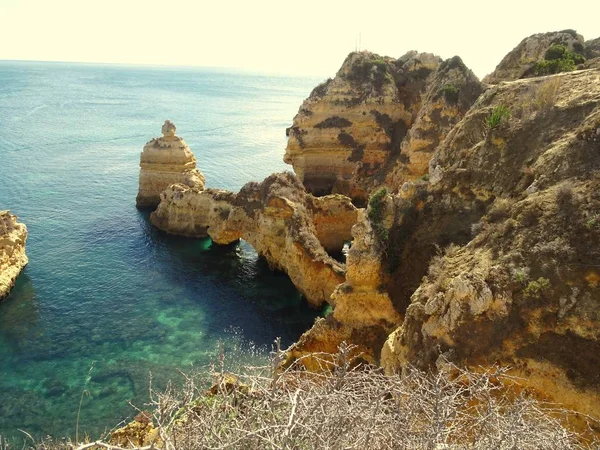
102 286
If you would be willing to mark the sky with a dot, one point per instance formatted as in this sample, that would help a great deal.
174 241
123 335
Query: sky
278 36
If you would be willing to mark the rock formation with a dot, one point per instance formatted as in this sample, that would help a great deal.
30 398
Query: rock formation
592 48
12 251
277 217
519 203
164 161
376 113
520 61
485 248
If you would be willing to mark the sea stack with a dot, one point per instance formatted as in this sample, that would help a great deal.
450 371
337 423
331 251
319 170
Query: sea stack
165 161
12 251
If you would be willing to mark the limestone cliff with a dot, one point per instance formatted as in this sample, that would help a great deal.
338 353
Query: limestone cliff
364 314
277 217
164 161
520 62
451 91
12 251
515 202
376 116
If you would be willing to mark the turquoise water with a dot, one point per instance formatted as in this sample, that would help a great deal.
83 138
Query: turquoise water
102 285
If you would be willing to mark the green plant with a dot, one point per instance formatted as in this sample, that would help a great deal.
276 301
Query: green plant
375 214
557 59
498 113
535 288
555 51
521 275
451 93
593 222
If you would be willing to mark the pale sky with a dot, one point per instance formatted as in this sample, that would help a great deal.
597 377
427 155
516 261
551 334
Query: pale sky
278 36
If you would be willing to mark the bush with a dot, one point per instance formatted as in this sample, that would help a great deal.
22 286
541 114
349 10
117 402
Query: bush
535 288
555 52
498 113
375 215
451 93
557 59
369 70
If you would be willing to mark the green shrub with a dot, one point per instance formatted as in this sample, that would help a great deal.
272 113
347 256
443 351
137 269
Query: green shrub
451 93
375 215
557 59
498 113
555 51
535 288
593 222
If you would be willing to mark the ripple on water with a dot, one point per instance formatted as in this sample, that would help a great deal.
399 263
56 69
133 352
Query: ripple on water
103 288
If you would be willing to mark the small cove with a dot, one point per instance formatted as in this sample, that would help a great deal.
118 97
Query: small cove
103 287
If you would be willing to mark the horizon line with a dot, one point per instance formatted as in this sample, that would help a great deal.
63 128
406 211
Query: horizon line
255 71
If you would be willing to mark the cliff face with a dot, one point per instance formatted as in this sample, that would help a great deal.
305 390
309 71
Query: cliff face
277 217
518 200
164 161
520 61
12 251
450 92
377 116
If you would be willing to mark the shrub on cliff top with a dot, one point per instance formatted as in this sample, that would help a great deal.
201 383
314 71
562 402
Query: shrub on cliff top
369 70
557 59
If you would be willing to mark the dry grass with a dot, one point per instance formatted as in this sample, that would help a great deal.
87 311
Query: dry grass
541 97
350 406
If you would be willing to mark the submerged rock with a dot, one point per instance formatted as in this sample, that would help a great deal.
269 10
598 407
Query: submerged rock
284 224
164 161
12 251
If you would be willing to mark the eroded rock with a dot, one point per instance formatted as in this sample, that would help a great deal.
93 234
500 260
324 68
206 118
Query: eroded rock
379 117
277 217
520 285
164 161
13 259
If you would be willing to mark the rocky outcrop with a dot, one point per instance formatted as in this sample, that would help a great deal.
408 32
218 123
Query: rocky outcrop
520 61
277 217
451 91
592 48
518 202
12 251
363 314
164 161
354 129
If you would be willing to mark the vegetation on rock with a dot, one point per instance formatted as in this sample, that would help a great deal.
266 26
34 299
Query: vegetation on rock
347 405
498 113
557 59
376 215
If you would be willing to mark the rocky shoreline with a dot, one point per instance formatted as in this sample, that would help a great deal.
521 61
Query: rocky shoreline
13 259
479 241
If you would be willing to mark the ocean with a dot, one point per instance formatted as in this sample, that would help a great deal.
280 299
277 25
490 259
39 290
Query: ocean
106 299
